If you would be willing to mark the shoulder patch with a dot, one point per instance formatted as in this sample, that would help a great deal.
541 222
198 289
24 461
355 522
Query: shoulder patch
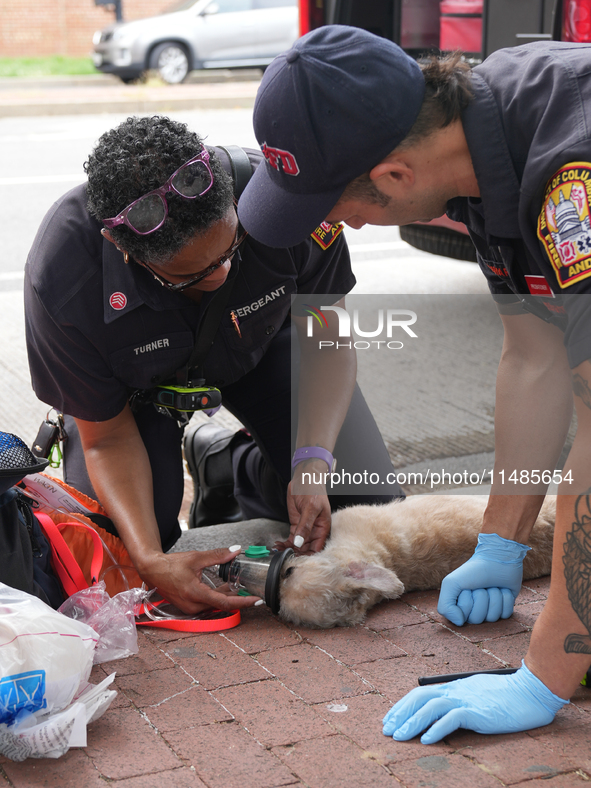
563 225
327 233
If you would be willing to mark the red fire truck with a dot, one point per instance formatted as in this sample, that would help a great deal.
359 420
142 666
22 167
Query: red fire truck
477 28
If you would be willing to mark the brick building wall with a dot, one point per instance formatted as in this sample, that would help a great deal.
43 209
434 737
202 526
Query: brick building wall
31 28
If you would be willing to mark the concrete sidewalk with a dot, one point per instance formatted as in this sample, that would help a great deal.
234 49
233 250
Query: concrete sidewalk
102 93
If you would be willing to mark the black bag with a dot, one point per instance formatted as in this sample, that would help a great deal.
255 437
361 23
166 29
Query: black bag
24 551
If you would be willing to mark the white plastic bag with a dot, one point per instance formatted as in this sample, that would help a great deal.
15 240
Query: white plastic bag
45 661
112 618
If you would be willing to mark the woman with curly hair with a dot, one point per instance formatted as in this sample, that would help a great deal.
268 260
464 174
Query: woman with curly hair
127 275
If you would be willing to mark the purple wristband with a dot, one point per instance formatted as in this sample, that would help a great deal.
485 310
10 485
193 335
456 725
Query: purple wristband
314 453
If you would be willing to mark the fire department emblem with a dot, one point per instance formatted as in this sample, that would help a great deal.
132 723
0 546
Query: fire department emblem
327 233
564 227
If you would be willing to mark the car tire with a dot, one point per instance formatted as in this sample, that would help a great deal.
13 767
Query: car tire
171 61
439 240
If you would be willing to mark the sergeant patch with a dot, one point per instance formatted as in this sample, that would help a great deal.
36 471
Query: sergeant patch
563 225
327 233
118 301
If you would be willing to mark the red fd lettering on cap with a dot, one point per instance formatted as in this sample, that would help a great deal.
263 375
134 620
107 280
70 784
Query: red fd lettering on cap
281 160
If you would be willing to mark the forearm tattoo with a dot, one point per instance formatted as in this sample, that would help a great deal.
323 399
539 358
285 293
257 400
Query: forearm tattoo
581 389
577 573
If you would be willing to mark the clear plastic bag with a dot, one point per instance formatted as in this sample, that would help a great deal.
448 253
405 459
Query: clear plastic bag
46 701
112 618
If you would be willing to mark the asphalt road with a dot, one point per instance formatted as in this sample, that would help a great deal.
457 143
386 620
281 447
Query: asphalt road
434 399
43 157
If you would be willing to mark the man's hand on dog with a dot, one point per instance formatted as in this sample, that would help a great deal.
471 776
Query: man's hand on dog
485 704
486 586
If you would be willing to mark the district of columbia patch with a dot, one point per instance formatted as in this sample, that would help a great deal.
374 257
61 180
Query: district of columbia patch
327 233
563 224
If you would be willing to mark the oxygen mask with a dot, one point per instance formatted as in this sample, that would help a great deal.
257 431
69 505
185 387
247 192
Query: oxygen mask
257 571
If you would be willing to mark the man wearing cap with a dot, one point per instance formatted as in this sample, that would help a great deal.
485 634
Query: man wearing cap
128 275
372 137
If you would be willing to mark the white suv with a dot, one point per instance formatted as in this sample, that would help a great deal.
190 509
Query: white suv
198 34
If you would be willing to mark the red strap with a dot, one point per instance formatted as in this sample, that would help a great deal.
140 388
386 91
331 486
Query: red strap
195 625
73 579
67 567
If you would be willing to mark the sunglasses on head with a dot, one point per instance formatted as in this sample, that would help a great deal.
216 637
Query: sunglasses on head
148 213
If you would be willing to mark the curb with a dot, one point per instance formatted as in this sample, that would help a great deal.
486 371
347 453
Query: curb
103 93
95 108
204 76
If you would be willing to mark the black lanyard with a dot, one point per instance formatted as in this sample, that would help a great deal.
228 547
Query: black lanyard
191 373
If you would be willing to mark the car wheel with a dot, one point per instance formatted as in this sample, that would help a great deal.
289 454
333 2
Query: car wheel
171 62
439 240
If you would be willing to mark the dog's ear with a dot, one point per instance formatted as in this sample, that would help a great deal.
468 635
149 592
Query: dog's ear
373 576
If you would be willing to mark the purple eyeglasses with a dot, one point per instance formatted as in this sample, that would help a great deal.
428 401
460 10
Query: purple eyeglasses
148 213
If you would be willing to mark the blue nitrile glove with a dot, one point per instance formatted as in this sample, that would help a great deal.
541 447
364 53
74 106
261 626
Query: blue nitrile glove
486 586
485 704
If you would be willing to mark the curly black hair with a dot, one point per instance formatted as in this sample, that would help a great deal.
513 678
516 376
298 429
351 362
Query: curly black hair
140 155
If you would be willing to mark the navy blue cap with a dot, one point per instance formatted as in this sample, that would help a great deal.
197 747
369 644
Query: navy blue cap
328 110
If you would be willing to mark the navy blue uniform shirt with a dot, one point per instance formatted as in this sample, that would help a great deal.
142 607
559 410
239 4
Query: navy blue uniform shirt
98 329
528 130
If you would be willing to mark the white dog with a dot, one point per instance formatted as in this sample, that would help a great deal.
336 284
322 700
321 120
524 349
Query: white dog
379 552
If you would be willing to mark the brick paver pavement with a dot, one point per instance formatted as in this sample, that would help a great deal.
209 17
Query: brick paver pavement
267 705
